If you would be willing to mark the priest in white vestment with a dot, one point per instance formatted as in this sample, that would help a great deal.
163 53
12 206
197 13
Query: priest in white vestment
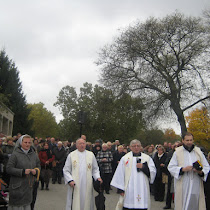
189 177
132 176
78 171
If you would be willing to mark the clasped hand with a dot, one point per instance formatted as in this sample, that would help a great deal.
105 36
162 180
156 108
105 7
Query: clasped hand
28 171
190 168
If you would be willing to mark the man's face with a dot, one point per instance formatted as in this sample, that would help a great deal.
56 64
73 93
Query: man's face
188 141
81 145
52 140
104 147
136 148
109 145
83 137
117 142
60 145
120 149
165 144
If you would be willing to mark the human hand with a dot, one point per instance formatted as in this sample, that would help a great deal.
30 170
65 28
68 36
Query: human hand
27 171
139 165
72 184
162 165
33 171
196 171
100 180
47 162
187 168
104 159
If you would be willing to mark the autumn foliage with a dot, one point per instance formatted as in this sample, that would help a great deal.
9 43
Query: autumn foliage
199 125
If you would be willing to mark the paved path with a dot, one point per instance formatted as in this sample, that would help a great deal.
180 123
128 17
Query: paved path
55 199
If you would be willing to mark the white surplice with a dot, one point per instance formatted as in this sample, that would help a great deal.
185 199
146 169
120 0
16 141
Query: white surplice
67 171
137 192
191 181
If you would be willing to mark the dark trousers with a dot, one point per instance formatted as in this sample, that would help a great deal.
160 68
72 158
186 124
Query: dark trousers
159 189
106 180
57 173
169 194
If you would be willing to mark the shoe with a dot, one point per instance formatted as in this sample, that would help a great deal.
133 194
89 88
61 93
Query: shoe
167 207
47 188
59 182
107 192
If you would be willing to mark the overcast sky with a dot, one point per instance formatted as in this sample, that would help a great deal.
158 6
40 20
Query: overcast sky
54 43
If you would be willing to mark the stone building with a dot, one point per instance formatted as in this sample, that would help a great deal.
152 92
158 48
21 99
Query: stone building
6 120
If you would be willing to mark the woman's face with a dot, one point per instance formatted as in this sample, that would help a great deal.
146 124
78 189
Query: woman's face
26 143
160 151
46 146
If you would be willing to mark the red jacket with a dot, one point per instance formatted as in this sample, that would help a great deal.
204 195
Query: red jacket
43 158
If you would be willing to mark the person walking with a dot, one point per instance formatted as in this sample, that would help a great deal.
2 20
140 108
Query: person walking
80 167
159 186
189 168
132 177
46 158
23 167
104 159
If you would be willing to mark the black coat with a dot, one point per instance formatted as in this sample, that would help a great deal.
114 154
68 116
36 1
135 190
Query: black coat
157 162
116 157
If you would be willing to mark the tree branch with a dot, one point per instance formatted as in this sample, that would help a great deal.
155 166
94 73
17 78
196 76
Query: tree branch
196 103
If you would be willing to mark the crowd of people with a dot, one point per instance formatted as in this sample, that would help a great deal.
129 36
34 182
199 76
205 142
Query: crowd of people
22 158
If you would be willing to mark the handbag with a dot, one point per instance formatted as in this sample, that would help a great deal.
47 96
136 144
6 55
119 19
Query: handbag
164 178
54 163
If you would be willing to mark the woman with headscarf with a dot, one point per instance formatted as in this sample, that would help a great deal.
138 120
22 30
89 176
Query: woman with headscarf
23 166
46 158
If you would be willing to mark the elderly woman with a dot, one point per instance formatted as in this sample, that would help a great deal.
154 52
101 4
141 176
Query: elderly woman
23 166
159 160
104 159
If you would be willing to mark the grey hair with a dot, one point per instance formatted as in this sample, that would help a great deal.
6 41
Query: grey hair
80 139
135 141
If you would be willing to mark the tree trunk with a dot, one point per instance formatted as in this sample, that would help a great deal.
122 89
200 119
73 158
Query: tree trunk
180 116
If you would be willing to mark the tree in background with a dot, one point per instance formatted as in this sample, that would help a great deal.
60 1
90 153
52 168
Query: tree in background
12 94
165 61
171 136
107 116
44 123
199 125
151 136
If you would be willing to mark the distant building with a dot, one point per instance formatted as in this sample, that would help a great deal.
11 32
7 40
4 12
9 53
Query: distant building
6 120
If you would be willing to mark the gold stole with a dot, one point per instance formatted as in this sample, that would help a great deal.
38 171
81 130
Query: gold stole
178 192
75 175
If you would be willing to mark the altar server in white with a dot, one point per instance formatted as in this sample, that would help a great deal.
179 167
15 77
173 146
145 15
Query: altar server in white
189 177
132 177
79 168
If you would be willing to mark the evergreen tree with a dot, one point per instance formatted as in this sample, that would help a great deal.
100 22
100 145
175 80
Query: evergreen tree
11 89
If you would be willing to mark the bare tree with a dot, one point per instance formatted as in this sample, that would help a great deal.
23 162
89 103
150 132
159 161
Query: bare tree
163 61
